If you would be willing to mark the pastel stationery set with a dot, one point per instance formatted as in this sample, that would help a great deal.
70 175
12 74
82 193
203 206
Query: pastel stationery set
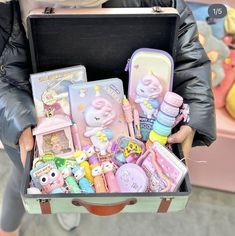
97 109
50 90
103 41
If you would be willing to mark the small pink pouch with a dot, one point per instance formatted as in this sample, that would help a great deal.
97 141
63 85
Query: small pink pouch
131 178
172 167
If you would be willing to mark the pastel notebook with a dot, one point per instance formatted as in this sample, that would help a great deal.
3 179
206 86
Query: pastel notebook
172 167
150 77
97 109
50 90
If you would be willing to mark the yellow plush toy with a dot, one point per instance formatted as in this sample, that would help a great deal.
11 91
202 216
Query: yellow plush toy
230 102
216 50
229 22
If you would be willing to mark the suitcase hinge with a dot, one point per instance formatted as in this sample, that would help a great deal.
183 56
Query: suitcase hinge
157 9
49 10
45 206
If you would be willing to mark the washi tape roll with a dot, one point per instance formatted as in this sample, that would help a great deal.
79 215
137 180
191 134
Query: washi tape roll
161 129
169 110
155 137
173 99
165 119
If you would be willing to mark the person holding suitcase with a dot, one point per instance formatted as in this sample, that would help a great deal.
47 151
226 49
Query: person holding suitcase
17 112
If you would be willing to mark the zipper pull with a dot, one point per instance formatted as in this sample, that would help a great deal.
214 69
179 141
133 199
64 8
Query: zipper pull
127 65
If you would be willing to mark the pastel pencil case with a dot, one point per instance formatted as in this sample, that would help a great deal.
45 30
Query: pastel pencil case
150 77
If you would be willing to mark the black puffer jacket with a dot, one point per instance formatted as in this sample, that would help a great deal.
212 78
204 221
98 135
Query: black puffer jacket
192 73
16 106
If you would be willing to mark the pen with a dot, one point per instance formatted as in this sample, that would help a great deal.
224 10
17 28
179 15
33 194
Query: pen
128 115
137 123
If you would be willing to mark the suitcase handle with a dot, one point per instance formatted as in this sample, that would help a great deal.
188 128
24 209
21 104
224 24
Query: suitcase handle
104 209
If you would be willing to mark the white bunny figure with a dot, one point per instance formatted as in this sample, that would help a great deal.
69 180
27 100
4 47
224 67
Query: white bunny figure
98 117
148 92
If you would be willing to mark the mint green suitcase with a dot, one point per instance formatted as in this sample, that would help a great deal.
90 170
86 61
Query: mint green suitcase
105 203
102 40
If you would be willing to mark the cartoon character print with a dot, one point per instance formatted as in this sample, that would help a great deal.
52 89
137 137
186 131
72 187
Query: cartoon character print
89 150
148 93
50 103
52 182
107 166
81 159
66 171
98 117
80 156
99 184
97 171
108 170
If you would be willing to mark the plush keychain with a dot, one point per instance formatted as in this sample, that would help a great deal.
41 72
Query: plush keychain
216 50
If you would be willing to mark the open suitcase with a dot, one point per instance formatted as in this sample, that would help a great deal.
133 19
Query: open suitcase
102 40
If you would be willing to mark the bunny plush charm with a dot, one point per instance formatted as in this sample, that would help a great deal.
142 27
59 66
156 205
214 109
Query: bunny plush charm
98 117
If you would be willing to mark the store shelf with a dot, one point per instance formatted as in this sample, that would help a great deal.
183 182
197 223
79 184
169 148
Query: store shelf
225 124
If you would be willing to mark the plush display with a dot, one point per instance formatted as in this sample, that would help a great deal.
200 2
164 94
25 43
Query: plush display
216 50
200 12
230 21
221 91
230 102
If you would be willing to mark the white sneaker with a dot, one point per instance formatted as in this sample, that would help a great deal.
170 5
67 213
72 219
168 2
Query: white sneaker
68 221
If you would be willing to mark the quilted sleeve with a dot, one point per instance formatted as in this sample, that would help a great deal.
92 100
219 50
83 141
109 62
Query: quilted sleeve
192 79
16 106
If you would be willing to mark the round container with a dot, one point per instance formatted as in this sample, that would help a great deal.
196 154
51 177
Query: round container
155 137
165 119
161 129
173 99
169 110
131 178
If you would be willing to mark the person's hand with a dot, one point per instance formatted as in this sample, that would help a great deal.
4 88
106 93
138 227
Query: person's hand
26 143
184 136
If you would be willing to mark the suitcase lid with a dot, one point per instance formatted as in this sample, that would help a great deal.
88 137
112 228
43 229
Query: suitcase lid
100 39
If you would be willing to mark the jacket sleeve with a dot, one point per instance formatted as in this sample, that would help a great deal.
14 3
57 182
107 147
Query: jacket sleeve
192 78
16 106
